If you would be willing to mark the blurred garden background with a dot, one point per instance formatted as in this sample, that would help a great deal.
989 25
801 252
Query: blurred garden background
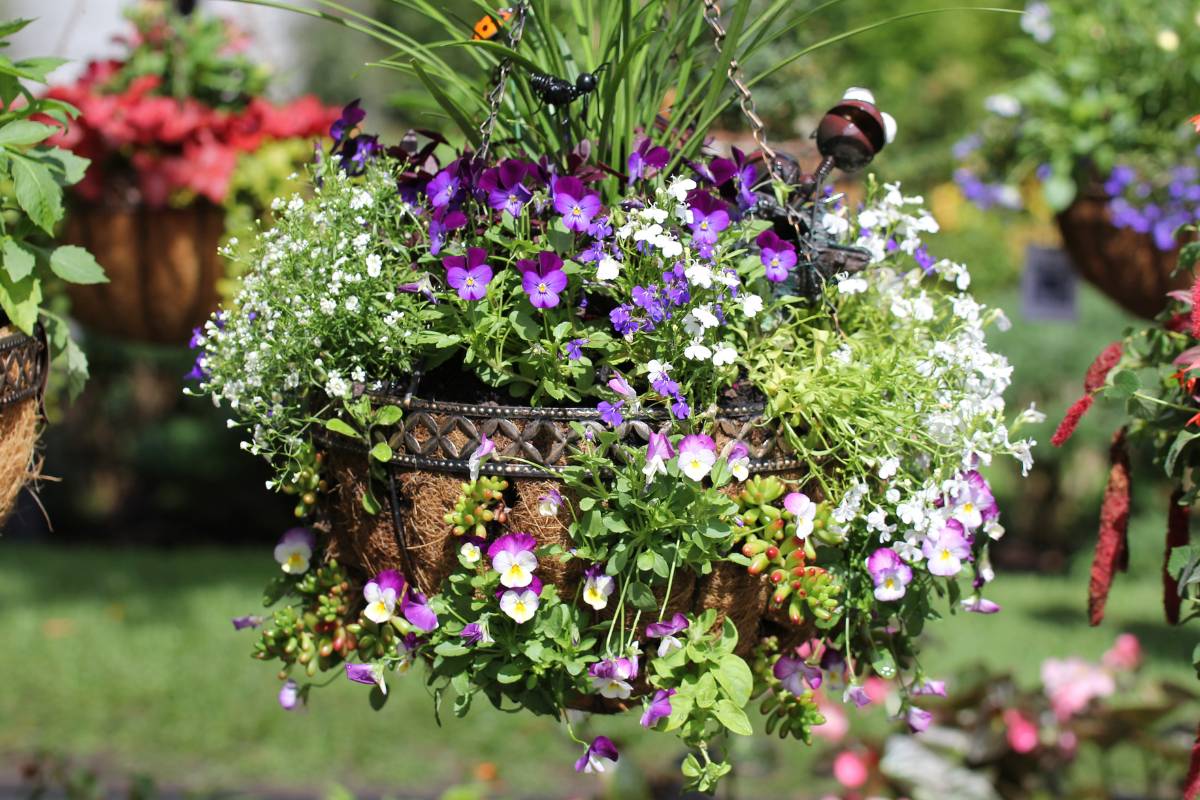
122 676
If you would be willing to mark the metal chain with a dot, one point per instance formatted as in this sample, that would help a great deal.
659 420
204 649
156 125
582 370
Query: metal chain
712 15
496 95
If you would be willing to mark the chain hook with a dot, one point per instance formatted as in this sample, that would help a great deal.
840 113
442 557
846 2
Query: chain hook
495 95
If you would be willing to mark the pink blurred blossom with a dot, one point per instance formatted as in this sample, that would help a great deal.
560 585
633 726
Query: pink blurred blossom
1072 683
1021 732
851 769
836 724
1125 655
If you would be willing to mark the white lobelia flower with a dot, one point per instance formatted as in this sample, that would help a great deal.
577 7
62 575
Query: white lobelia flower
658 370
835 224
698 351
470 553
723 355
648 234
751 304
699 275
669 245
654 214
888 468
680 187
852 284
704 315
608 269
374 265
519 604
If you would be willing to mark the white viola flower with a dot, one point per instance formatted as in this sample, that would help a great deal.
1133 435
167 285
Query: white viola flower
667 645
739 461
680 187
697 454
804 510
699 275
723 355
597 587
294 551
512 556
751 304
697 351
658 370
470 553
374 265
608 269
381 602
519 604
549 503
852 284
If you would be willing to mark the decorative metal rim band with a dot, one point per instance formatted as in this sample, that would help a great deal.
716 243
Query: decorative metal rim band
22 368
538 457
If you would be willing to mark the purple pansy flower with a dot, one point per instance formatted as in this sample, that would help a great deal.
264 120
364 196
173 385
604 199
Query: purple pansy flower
576 203
946 550
476 633
611 412
611 677
544 279
241 623
646 155
665 632
350 118
930 688
619 385
289 695
980 605
793 672
504 187
973 504
855 693
597 587
369 674
469 274
738 461
443 188
659 708
415 608
777 255
442 223
512 556
709 218
890 574
658 453
600 755
480 454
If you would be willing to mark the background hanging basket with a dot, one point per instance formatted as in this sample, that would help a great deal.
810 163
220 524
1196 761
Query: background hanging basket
1120 262
162 264
431 447
23 365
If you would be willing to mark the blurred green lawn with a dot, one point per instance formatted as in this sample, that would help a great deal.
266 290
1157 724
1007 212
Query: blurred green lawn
128 658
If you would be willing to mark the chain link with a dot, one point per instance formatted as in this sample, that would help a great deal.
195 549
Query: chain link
712 15
495 95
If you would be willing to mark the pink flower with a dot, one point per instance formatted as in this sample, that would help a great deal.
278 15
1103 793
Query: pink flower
850 769
836 724
1072 684
658 453
890 574
1022 734
1125 655
946 550
918 719
697 454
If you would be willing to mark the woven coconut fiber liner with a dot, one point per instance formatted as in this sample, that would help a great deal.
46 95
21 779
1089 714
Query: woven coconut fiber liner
22 371
162 265
1120 262
431 446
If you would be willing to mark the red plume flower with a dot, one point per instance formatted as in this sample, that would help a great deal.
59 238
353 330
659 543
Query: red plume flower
1191 787
1177 536
1074 414
1092 381
1114 524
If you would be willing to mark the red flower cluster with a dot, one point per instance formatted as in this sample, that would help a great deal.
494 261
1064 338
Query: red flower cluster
171 145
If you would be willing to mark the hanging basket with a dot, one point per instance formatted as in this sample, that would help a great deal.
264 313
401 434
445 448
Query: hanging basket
431 446
1120 262
162 264
23 370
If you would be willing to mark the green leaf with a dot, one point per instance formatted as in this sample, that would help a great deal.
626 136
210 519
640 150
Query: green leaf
21 300
1124 384
733 718
381 452
511 672
37 193
369 501
1182 440
76 265
338 426
72 167
18 261
77 368
640 595
9 27
884 664
735 678
388 415
23 132
451 649
706 690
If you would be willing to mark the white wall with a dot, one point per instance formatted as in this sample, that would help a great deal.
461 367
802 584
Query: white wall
83 29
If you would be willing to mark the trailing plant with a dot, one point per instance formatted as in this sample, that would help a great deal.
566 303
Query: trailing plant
33 176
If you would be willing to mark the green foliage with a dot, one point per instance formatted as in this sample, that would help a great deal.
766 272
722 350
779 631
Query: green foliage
33 175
